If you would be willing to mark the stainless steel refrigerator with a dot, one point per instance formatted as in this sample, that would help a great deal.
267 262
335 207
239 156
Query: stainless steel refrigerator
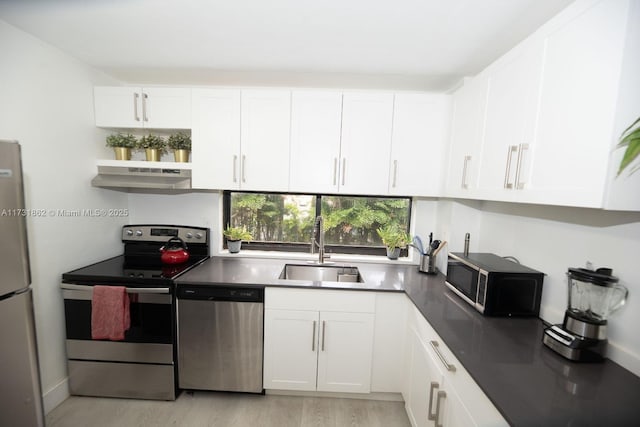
20 390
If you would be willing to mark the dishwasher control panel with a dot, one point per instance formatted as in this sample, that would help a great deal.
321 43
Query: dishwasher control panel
220 293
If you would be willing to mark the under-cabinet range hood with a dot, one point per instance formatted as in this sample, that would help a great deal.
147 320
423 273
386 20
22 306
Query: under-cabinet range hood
123 178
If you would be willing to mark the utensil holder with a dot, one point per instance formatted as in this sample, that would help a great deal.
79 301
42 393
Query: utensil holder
427 264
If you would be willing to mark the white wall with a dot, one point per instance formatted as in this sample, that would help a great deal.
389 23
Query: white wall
552 239
47 105
202 209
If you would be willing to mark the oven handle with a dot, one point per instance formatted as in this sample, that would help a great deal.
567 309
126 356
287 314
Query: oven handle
70 287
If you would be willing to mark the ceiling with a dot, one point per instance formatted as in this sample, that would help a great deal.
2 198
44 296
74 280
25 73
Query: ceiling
426 43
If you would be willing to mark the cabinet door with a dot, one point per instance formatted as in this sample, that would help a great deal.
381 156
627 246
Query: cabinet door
420 135
290 349
265 124
366 143
316 118
513 87
466 126
577 107
215 151
346 346
166 108
425 382
118 106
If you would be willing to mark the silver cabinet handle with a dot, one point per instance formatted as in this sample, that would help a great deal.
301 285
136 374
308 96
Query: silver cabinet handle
434 386
244 168
395 173
144 107
135 107
441 396
344 169
324 328
313 337
335 170
436 348
507 172
464 172
521 148
235 168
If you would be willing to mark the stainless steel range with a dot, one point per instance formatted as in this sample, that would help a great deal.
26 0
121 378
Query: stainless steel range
143 364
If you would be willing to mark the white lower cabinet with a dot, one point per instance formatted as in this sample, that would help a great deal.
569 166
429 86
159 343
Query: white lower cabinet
322 347
437 390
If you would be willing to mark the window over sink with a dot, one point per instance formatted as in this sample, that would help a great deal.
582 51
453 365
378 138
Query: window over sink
285 221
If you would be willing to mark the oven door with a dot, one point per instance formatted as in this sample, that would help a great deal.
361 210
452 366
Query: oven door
462 278
148 340
141 366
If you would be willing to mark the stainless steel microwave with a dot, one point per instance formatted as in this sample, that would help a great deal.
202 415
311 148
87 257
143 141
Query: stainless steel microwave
494 285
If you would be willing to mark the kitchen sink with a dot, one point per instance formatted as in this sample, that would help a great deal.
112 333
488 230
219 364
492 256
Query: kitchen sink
321 273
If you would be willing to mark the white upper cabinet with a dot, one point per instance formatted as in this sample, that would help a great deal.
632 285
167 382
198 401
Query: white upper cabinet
513 84
419 141
240 139
215 136
585 49
265 130
134 107
316 120
466 130
366 143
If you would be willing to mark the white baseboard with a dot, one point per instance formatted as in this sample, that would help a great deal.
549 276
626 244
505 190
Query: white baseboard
392 397
55 395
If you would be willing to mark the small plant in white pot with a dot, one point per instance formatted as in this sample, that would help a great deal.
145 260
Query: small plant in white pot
154 147
394 238
122 145
235 236
180 143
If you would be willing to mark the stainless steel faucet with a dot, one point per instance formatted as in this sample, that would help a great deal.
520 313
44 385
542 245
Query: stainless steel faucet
318 239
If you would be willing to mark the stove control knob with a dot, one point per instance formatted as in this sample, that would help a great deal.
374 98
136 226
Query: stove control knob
138 233
189 235
129 232
198 235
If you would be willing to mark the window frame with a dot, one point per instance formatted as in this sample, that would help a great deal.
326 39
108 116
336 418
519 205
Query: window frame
306 247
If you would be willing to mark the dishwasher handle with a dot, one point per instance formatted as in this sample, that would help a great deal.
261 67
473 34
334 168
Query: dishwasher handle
219 293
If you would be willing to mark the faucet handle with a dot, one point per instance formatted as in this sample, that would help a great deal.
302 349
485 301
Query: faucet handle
313 245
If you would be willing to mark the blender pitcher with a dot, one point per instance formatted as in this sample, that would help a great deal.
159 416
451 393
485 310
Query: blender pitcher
594 295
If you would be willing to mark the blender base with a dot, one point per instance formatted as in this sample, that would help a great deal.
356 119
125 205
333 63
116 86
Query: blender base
574 347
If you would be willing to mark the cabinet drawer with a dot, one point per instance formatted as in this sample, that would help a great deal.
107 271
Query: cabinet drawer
320 300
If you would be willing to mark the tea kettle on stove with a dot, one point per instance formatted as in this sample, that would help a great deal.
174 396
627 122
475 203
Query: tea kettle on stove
175 251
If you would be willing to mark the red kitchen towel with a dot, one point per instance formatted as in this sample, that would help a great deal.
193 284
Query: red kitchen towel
109 313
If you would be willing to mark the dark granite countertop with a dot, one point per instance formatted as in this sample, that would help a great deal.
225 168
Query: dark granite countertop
528 383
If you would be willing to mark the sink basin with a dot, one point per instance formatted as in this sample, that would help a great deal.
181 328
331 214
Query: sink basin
321 273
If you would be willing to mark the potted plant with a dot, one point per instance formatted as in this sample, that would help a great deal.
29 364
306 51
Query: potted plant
154 147
122 145
180 143
394 238
235 236
630 138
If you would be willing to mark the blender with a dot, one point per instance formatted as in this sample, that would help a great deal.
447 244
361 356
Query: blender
593 297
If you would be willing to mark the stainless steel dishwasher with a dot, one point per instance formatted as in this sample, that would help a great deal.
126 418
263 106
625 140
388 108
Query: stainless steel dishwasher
220 338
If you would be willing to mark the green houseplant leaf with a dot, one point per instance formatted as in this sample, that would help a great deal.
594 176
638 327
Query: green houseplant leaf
153 142
393 236
179 141
630 138
237 233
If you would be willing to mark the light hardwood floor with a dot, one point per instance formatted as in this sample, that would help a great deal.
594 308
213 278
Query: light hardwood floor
211 409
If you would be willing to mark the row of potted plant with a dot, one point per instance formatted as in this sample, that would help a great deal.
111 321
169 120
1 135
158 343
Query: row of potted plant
393 237
153 145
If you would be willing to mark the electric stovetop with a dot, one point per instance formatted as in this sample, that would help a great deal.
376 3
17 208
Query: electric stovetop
123 270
